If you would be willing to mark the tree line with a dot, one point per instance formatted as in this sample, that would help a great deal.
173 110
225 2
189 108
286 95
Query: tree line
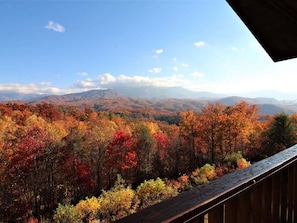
54 155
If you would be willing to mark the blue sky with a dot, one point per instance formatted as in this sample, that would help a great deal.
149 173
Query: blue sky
69 46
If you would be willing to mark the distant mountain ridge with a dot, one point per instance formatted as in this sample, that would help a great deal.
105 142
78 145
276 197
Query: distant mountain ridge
82 96
151 92
16 96
146 92
164 100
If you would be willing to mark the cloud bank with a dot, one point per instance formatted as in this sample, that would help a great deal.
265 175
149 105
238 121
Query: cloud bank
36 88
107 80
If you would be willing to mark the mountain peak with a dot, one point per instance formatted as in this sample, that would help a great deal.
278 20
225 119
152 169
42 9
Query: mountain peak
91 95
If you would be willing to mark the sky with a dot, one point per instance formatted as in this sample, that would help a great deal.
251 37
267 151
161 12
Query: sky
59 47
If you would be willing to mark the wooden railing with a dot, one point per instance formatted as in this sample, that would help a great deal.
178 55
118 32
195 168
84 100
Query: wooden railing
265 192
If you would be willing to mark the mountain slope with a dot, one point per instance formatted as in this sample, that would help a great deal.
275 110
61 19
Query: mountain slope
15 96
85 96
153 99
146 92
150 92
110 100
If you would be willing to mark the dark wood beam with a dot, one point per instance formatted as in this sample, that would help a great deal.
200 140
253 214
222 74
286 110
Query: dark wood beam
273 23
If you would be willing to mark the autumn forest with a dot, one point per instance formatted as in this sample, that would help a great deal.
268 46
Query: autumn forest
67 164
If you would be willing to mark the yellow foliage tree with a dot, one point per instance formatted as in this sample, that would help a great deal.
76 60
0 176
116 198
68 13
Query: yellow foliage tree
153 127
88 209
55 129
7 132
151 192
242 163
118 202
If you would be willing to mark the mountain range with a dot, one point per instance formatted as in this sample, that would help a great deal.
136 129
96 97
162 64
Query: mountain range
161 99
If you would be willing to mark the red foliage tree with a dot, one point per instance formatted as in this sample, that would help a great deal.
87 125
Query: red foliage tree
28 171
48 112
121 153
31 146
162 142
162 159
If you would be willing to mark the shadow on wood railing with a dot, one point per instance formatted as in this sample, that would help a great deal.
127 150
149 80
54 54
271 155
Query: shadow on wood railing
265 192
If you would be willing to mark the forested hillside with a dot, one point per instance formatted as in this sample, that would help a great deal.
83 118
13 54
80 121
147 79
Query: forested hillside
56 158
130 101
149 100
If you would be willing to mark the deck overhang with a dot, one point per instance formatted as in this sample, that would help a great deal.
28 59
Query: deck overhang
273 23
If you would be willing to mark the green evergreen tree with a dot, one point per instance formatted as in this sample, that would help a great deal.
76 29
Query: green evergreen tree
280 135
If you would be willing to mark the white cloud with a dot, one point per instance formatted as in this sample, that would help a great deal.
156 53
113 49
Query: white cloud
174 59
175 69
155 70
158 51
55 26
106 79
234 48
133 80
82 74
87 84
184 65
37 88
199 44
197 74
